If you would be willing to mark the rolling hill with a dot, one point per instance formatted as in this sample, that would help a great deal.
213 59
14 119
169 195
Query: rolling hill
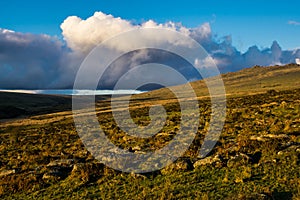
257 155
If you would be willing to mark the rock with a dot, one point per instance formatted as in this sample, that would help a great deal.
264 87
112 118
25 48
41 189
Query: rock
256 196
58 169
272 92
264 138
136 148
258 138
88 171
53 175
138 176
288 145
269 104
262 197
238 160
57 172
7 172
268 162
183 164
279 136
77 168
283 104
280 153
211 160
288 148
62 162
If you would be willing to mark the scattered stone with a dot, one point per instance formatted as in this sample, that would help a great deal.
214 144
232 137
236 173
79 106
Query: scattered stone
289 147
258 138
264 138
255 196
269 104
279 136
283 104
288 144
137 176
53 175
136 148
7 172
183 164
280 153
272 92
88 171
140 152
238 160
62 162
78 167
296 124
58 169
57 172
268 162
211 160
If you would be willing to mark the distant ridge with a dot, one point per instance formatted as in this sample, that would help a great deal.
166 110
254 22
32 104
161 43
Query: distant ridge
248 81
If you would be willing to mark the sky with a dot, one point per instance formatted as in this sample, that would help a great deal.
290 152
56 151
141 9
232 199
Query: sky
42 43
248 22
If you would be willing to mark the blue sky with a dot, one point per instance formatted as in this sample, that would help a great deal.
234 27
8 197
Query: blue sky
248 22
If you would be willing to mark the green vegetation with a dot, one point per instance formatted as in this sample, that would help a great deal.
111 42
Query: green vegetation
256 157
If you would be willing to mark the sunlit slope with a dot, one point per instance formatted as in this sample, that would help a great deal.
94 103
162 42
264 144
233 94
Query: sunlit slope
247 81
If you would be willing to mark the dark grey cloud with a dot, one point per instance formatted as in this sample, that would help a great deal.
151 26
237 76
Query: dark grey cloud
31 61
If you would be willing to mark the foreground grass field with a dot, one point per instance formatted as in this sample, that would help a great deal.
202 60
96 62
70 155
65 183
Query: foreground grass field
256 157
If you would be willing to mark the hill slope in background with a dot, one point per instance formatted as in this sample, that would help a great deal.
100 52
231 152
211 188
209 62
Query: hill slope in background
24 105
247 81
18 104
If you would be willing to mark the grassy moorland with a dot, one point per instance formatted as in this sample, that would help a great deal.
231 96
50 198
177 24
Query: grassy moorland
256 157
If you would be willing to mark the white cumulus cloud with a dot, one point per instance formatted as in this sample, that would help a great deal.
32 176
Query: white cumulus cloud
82 35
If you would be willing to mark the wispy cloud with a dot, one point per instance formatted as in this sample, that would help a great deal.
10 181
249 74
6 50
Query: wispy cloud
292 22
